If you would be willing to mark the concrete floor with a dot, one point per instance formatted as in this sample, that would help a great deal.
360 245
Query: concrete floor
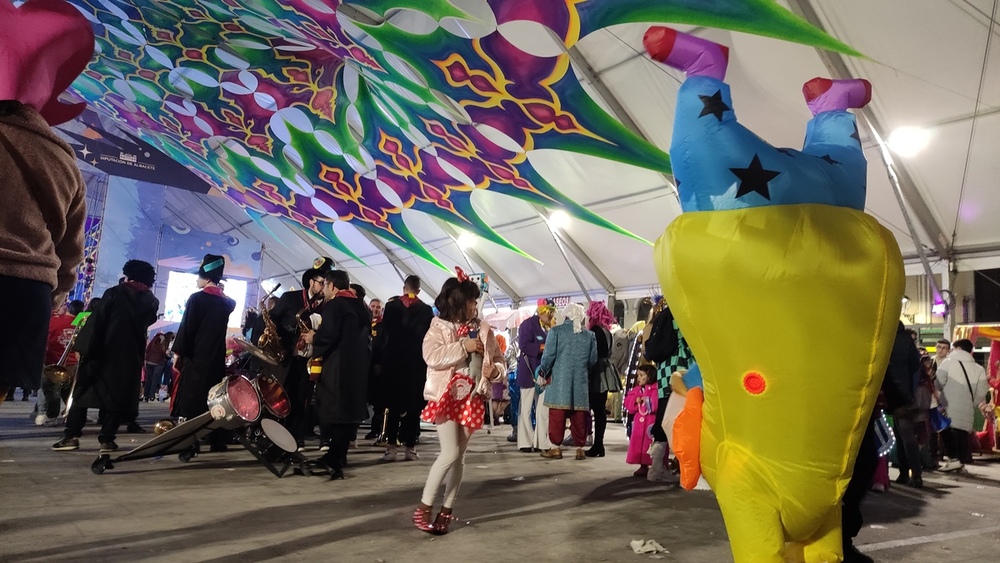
513 507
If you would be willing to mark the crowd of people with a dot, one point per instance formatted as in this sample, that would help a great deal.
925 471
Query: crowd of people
402 362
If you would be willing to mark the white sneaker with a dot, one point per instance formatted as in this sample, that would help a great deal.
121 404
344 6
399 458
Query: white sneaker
411 455
40 419
390 454
951 465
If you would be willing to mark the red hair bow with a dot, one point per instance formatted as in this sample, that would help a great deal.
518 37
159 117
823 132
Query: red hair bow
460 274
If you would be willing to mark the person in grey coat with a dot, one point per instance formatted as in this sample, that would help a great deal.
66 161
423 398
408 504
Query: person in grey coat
570 351
964 383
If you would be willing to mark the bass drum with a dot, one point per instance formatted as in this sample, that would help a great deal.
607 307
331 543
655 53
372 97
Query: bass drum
234 399
271 440
272 395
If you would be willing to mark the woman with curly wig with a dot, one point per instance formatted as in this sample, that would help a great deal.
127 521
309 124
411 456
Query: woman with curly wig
455 340
604 377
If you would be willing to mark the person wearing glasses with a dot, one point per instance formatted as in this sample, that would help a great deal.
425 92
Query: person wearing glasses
292 306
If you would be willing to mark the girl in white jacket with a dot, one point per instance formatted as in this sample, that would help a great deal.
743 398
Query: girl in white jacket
455 398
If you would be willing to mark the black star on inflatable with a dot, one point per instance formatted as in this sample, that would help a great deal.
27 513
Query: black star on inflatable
829 159
754 178
856 135
713 105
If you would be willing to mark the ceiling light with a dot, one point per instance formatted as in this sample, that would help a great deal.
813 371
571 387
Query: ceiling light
909 141
559 219
466 241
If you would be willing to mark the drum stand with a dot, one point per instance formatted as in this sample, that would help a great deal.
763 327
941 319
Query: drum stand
286 460
179 440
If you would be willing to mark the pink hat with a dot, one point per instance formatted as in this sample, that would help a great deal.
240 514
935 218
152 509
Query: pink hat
44 46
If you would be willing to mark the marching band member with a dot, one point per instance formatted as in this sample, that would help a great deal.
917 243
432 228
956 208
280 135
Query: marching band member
200 347
343 342
111 346
286 314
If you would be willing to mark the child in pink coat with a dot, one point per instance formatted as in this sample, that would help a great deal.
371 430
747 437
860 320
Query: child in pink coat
641 401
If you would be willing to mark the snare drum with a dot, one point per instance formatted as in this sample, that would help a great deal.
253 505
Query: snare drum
234 399
272 395
271 440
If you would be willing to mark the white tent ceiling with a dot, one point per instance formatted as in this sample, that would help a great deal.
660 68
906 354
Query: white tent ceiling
926 62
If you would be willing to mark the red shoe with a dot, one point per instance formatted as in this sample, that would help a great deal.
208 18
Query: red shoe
422 520
643 471
824 94
442 522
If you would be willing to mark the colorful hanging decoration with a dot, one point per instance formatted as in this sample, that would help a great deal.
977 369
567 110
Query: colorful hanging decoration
317 111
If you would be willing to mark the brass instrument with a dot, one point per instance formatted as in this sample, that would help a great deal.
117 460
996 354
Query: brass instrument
164 425
301 348
269 342
58 373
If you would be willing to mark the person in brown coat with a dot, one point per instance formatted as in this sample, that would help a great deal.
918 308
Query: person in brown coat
45 45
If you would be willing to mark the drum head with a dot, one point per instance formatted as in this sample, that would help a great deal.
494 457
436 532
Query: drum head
243 397
273 395
278 435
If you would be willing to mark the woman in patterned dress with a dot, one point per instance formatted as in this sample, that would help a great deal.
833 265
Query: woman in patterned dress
455 400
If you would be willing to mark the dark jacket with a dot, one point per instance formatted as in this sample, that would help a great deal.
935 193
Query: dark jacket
343 341
401 340
290 304
112 347
530 340
899 384
201 343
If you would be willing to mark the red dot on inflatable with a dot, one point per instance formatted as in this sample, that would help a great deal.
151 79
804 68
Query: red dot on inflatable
754 383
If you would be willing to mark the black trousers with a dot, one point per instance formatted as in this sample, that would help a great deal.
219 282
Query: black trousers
861 480
298 387
402 425
957 444
378 418
340 436
28 308
76 418
907 449
598 404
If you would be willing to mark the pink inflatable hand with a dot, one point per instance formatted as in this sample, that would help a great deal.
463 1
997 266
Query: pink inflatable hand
44 46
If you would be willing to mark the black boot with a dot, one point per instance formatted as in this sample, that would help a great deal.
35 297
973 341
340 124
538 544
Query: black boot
597 450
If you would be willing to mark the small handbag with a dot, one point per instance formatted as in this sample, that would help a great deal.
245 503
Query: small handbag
939 422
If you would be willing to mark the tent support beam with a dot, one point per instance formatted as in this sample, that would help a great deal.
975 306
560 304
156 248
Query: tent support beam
562 250
584 67
213 206
838 69
563 239
478 259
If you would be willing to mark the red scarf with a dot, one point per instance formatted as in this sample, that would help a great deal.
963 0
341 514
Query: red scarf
408 299
137 285
213 290
348 293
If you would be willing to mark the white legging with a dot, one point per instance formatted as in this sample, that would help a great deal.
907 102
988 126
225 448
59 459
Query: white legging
450 465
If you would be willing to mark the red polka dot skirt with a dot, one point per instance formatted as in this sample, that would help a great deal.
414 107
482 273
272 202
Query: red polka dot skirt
457 404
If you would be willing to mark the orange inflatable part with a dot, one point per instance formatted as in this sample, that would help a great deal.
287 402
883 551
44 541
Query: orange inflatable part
687 438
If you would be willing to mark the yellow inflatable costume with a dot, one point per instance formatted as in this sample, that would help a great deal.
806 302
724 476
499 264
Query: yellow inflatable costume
789 296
